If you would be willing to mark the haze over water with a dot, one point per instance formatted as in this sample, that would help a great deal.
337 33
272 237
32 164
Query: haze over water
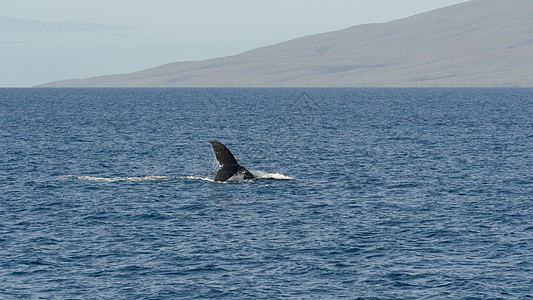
387 193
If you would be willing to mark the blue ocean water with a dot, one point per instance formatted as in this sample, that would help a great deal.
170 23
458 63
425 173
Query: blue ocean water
370 193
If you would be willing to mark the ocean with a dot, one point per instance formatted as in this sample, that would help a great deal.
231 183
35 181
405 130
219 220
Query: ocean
361 193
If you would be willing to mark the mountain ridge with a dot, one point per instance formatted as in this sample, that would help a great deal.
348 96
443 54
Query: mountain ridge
479 43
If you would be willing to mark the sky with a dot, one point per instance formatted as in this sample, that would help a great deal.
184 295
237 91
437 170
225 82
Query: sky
43 41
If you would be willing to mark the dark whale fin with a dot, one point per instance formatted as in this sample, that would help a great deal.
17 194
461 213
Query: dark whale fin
222 154
228 163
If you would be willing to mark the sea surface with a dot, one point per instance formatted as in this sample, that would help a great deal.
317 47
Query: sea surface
361 193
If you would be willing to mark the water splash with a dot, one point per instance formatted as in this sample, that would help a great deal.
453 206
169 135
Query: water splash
262 174
237 178
114 179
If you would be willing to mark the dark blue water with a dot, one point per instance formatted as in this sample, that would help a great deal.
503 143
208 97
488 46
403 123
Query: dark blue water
385 193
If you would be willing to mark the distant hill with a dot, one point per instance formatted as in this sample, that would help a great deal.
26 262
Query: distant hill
479 43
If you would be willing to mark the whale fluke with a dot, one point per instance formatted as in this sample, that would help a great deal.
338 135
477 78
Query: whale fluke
228 163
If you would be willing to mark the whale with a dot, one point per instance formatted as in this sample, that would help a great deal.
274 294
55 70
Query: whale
228 164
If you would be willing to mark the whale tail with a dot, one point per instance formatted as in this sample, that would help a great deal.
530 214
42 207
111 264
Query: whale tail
228 164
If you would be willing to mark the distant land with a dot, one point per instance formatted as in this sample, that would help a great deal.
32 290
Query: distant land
479 43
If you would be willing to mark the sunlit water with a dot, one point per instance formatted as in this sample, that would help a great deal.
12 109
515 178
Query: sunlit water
386 193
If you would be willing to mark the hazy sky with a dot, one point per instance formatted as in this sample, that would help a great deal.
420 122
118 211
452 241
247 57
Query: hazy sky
70 42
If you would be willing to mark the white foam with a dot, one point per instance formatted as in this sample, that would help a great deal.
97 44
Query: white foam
263 174
236 178
196 178
113 179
